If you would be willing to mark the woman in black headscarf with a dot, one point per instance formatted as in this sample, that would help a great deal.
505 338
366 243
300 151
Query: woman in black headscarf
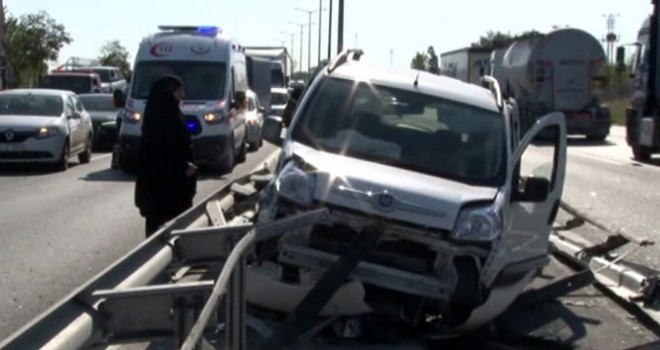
166 181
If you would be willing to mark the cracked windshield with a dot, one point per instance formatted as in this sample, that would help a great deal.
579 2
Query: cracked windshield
329 174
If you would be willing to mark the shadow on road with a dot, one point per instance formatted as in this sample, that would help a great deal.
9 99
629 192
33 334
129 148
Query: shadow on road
109 175
13 170
114 175
583 142
655 162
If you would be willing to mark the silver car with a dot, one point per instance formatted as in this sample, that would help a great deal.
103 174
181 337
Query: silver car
44 126
104 114
254 118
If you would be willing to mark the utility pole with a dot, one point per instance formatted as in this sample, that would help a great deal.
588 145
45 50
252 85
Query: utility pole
340 29
610 37
356 40
309 38
320 27
391 57
301 44
3 53
330 33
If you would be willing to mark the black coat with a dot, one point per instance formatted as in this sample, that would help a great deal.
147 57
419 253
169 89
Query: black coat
162 187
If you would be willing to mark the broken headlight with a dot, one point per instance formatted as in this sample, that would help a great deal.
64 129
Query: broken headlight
295 184
478 224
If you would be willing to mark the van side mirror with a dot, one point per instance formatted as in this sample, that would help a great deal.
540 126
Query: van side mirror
535 189
119 99
272 130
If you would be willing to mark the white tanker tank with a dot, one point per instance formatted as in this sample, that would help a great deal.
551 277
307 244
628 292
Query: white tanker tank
555 72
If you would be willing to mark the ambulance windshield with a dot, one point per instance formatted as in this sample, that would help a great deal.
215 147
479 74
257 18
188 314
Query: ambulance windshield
203 80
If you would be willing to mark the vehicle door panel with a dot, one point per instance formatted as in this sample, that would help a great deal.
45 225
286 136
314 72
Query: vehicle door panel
78 129
85 122
529 222
74 124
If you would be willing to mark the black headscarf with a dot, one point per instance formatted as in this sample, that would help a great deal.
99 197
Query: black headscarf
161 99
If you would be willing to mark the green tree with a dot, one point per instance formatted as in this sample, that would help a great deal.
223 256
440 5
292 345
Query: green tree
31 40
116 55
499 40
420 61
432 62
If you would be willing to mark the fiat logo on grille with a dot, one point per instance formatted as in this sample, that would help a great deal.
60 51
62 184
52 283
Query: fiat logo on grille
9 135
385 200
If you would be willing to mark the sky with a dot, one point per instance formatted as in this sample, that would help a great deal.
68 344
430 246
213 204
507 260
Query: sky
389 32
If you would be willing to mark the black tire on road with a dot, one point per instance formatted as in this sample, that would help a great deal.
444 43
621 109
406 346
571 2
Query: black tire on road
227 164
86 156
641 153
63 163
242 152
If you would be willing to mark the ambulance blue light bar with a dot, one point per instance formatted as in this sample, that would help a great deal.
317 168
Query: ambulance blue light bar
198 29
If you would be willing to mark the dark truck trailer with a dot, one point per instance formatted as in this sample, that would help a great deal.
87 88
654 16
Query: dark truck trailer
259 78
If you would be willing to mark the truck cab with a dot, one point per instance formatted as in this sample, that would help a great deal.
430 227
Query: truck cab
642 113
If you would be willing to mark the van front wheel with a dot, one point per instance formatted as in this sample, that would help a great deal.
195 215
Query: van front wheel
227 164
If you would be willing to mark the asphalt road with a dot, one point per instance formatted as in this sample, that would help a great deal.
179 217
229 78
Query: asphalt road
57 230
605 182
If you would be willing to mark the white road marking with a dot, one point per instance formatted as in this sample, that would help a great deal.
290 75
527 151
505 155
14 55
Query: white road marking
103 156
600 159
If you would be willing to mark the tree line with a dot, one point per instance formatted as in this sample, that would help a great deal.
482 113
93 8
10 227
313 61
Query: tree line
32 40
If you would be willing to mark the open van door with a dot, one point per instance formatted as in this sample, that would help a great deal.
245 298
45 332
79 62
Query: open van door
536 183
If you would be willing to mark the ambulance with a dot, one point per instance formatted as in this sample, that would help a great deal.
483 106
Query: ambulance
213 68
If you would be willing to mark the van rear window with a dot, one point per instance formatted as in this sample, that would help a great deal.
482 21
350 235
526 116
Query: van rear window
202 80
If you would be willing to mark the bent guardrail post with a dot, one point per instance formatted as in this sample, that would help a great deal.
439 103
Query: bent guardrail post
235 339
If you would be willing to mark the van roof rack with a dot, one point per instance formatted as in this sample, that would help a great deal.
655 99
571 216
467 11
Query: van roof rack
343 57
489 82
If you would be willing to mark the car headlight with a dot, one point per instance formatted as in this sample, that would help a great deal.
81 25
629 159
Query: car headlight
132 116
478 224
46 132
213 117
295 184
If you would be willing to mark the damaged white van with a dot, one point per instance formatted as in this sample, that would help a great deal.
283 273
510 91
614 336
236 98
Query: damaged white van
448 213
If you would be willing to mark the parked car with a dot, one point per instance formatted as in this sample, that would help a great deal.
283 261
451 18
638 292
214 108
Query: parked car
429 169
80 83
44 126
278 99
104 114
111 77
254 119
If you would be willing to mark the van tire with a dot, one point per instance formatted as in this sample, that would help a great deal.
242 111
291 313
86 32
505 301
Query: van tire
227 164
242 152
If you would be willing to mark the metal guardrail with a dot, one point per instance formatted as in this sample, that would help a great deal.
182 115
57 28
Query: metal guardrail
232 278
72 323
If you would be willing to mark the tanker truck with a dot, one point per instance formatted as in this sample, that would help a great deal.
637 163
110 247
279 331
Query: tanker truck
555 72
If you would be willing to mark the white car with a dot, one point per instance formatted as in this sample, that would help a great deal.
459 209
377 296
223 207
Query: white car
44 126
254 119
432 166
